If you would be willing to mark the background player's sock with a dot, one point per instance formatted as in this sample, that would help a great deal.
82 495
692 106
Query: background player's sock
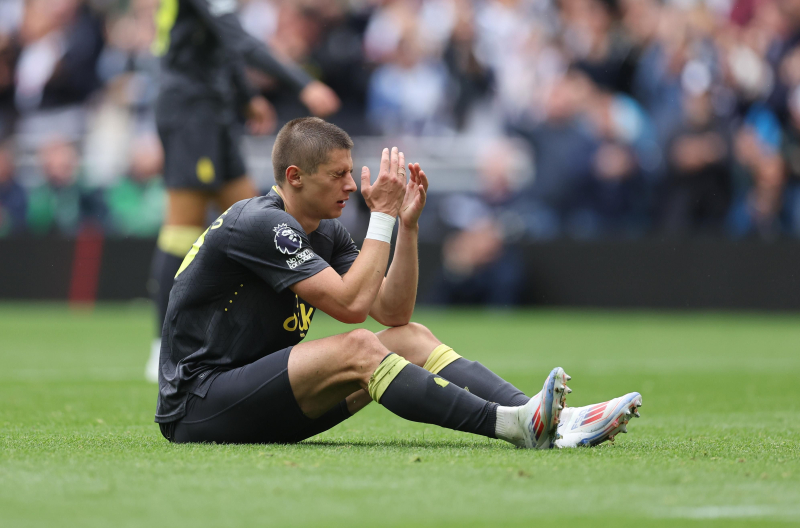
173 244
415 394
154 361
474 377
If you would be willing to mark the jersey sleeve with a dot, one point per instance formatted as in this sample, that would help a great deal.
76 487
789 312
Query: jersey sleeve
345 250
220 15
274 246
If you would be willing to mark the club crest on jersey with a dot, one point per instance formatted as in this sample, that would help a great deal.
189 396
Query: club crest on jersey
287 241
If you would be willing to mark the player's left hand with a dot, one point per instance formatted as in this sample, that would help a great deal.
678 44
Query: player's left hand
416 193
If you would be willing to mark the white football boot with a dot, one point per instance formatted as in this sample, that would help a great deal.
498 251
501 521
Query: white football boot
540 416
594 424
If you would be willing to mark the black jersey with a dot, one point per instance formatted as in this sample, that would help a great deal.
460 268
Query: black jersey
204 51
231 304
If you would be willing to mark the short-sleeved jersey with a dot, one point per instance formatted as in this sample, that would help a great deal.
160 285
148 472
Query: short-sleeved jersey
231 304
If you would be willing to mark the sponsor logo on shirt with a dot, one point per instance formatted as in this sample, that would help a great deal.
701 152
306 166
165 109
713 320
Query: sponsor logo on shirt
304 255
287 241
301 320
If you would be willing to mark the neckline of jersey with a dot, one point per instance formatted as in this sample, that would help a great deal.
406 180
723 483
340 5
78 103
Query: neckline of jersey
278 192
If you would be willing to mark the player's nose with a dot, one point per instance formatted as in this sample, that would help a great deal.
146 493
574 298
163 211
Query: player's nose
350 183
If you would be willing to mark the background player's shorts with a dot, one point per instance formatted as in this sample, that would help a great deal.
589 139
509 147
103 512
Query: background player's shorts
201 153
251 404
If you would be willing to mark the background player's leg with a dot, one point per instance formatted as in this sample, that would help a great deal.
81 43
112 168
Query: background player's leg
233 191
419 346
184 222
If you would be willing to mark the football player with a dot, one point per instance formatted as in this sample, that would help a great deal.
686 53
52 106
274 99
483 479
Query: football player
234 367
203 95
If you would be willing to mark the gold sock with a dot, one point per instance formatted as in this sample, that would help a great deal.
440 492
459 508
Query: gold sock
384 375
177 240
441 356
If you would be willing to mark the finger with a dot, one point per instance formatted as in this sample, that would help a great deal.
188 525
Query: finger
412 174
365 185
401 166
423 179
384 162
393 162
422 197
410 193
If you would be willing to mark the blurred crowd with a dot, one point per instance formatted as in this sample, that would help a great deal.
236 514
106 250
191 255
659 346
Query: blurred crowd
665 117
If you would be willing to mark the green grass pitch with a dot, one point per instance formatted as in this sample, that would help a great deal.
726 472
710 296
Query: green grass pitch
717 444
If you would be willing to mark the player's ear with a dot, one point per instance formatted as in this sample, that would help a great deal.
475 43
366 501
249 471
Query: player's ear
293 176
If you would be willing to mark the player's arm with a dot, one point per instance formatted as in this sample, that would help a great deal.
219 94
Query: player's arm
220 15
395 301
350 297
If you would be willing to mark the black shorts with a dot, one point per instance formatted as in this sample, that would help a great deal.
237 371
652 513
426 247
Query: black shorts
201 153
253 404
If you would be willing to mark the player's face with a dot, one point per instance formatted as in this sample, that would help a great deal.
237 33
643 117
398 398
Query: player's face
327 190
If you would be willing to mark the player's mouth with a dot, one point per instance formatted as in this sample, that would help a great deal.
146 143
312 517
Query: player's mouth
341 203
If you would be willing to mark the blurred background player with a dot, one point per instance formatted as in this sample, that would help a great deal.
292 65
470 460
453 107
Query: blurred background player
204 94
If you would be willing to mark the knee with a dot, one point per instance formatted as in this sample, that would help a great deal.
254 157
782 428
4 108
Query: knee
364 352
419 337
361 339
419 331
412 333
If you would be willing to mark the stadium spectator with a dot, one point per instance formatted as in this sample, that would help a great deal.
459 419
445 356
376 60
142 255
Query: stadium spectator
790 150
126 108
136 203
62 204
597 47
564 152
758 206
13 201
698 186
471 79
340 60
625 167
480 263
61 42
406 95
10 18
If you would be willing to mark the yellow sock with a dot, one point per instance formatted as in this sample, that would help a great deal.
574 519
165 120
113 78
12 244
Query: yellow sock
384 375
177 240
441 356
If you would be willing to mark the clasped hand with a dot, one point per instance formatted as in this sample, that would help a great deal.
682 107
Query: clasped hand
394 194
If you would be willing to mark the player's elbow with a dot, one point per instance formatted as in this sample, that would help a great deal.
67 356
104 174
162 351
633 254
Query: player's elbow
393 323
353 318
352 315
393 319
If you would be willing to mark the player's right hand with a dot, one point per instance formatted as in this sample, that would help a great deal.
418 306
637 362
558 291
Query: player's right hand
387 193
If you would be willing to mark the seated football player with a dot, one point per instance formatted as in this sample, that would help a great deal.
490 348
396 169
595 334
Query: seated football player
234 369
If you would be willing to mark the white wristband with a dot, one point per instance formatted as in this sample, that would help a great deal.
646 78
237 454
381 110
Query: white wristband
380 227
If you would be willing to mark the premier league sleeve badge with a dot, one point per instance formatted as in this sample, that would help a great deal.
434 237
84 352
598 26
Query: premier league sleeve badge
287 240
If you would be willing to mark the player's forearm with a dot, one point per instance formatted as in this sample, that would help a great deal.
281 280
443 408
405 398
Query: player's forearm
396 299
225 25
258 56
361 284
